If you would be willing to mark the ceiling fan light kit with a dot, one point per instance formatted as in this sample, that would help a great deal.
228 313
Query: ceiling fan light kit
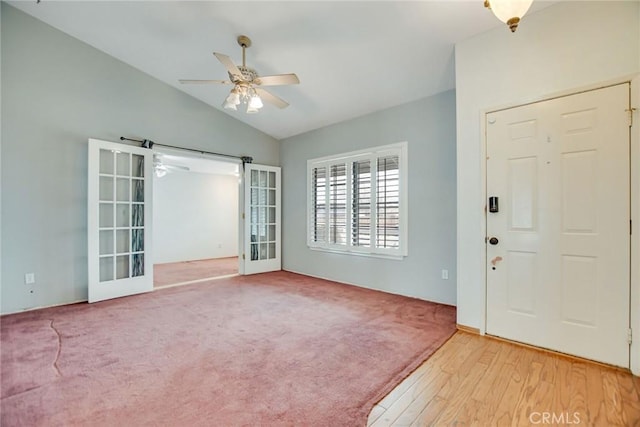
246 82
509 11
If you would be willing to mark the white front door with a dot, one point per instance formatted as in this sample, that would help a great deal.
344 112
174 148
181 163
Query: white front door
119 226
262 219
558 265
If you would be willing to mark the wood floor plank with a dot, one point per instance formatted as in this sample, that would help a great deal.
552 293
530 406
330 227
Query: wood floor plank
440 368
462 373
505 412
561 384
577 381
428 398
403 386
480 381
527 400
612 398
630 392
375 413
491 391
596 408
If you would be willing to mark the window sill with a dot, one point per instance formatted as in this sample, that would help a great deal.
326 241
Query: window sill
360 254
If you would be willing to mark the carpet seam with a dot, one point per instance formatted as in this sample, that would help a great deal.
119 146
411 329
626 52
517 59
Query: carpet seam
55 362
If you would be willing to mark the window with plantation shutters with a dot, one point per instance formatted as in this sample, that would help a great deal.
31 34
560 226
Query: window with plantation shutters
357 202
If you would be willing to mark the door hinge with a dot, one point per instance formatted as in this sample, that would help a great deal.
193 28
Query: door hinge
630 226
242 256
242 215
629 336
630 110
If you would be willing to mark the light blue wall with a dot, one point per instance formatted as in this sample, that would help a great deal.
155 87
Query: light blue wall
429 127
56 93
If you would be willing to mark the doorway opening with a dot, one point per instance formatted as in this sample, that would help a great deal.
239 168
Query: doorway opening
196 218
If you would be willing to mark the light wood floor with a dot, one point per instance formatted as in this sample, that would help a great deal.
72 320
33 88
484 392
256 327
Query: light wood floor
475 380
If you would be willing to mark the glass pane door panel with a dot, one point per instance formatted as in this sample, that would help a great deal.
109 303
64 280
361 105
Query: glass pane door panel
122 241
138 166
137 190
137 215
106 269
137 240
122 189
122 267
106 215
263 251
122 164
106 188
137 265
106 162
272 250
122 215
272 180
106 242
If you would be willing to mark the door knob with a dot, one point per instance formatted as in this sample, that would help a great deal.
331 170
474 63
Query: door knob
493 240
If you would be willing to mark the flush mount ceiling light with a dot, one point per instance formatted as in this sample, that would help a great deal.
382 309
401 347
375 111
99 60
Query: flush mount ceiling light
509 11
247 84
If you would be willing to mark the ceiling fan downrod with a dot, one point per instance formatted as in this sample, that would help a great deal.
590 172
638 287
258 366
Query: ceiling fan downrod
244 43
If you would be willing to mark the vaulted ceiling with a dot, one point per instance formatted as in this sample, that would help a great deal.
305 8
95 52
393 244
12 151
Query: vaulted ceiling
352 57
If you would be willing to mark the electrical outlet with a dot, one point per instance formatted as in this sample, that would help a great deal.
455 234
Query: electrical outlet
29 278
445 274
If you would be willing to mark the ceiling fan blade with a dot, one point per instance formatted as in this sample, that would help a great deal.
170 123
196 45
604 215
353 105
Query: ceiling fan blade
230 66
271 98
277 80
205 82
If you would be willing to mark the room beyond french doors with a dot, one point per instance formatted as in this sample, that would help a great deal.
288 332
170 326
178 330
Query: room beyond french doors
261 219
119 226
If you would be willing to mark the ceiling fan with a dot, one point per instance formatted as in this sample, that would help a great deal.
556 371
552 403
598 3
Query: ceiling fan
247 84
161 167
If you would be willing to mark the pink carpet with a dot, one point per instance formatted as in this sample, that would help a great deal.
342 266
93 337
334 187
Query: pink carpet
270 350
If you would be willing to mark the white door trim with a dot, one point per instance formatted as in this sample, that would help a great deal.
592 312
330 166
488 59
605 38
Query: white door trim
635 199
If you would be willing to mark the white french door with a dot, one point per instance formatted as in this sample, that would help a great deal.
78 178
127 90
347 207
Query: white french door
119 226
558 238
261 219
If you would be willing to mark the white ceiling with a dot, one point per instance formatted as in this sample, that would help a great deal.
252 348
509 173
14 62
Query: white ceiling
352 57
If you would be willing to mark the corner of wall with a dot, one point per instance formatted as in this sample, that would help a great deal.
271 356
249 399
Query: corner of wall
635 217
1 7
